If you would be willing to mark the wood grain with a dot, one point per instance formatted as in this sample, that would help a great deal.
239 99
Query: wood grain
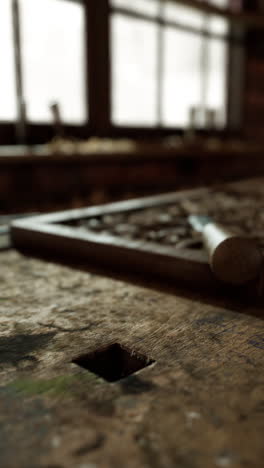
199 406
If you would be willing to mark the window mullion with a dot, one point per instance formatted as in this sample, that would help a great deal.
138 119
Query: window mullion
204 71
98 66
160 62
21 106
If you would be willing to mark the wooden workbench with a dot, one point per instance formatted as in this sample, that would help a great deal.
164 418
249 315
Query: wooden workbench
201 404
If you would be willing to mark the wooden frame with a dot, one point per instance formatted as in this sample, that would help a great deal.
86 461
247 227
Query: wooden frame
54 236
50 234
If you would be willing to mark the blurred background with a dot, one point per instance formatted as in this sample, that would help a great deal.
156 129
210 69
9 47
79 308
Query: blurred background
112 99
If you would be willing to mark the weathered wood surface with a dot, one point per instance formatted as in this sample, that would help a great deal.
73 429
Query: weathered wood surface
201 405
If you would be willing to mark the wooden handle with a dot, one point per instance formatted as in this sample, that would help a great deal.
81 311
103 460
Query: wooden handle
233 258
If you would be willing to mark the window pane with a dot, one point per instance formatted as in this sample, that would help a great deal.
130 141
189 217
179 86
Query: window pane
182 83
217 82
220 3
183 15
218 25
134 71
53 59
148 7
7 75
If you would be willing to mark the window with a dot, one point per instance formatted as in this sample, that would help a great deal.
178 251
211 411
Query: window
165 63
57 26
183 15
168 59
134 59
220 3
217 24
217 80
43 26
148 7
182 82
8 108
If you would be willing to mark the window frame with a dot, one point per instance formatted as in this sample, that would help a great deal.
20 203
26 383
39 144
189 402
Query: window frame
230 38
37 132
98 81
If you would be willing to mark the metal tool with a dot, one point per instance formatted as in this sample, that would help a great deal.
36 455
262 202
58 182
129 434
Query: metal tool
234 258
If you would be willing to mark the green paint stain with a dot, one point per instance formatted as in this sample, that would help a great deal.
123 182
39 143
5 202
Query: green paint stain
58 386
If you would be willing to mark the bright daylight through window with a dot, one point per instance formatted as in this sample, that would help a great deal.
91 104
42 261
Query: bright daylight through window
57 26
166 60
8 109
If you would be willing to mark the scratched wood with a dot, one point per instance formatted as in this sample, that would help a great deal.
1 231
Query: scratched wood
200 405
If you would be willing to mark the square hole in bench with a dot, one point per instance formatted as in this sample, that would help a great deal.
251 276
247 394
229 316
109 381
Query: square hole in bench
113 362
